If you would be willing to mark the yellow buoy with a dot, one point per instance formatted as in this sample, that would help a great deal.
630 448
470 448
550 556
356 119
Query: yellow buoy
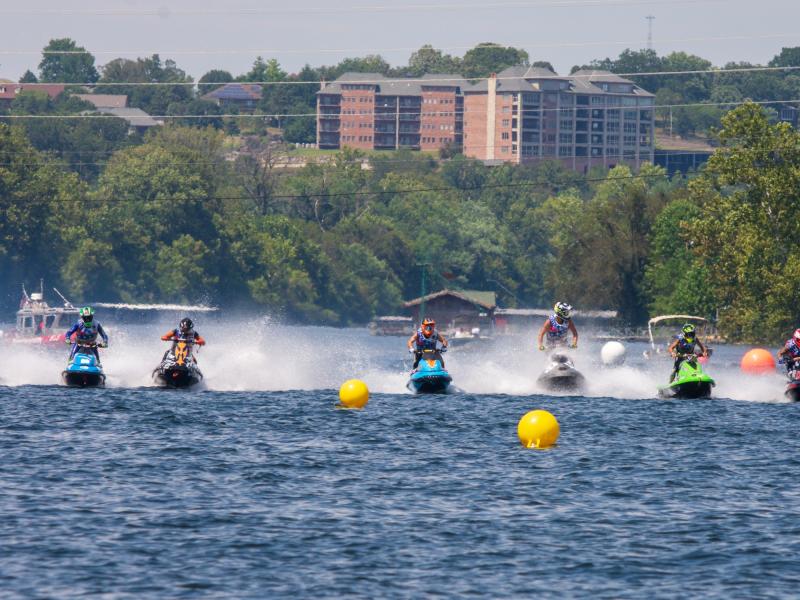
538 429
354 394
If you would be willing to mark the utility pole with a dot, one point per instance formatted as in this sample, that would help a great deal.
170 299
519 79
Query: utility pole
650 19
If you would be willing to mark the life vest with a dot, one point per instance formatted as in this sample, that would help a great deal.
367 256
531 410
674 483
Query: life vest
424 343
684 346
557 331
86 333
181 337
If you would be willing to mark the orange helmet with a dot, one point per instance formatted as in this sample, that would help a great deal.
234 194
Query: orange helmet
428 326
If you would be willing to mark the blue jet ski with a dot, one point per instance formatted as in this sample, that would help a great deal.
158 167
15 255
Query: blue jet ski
430 377
84 370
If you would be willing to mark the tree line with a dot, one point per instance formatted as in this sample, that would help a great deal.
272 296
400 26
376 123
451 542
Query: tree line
708 94
175 218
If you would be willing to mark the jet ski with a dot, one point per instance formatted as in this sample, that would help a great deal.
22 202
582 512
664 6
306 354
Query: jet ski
84 370
561 375
178 368
430 377
792 391
690 381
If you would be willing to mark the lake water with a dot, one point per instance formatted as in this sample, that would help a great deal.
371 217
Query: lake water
258 486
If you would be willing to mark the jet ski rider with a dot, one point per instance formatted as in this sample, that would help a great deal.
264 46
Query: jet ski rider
425 338
683 346
790 353
556 327
86 331
184 333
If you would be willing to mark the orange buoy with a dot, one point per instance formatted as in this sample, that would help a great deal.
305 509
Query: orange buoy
758 362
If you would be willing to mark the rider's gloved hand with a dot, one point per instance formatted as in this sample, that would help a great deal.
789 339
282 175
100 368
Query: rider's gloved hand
541 348
411 351
67 341
574 345
444 349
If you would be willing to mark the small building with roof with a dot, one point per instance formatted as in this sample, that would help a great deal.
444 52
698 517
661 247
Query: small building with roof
10 90
455 310
138 120
244 96
104 100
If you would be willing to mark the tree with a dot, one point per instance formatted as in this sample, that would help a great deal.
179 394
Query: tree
64 61
788 57
748 234
487 58
213 80
601 248
674 279
430 60
28 77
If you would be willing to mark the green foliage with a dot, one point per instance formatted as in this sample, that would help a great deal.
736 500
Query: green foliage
747 234
212 80
487 58
676 281
430 60
63 61
155 99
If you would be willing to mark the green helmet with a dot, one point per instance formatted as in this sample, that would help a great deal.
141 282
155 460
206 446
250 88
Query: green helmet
688 330
86 313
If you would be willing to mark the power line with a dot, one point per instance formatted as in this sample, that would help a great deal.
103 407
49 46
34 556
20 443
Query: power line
371 113
594 75
168 12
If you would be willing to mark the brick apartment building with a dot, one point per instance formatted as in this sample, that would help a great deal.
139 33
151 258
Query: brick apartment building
369 111
523 114
589 118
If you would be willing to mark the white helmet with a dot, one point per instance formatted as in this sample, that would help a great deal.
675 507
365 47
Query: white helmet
563 310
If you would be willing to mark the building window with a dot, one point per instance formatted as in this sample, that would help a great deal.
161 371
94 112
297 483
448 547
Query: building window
597 152
506 123
598 100
504 135
565 138
565 151
504 149
566 124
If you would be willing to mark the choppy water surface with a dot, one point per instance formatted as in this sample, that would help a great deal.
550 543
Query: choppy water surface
139 492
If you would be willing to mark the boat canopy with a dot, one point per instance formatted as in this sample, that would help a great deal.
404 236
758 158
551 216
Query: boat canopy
662 318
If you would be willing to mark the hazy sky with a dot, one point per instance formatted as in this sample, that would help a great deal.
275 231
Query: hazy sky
228 34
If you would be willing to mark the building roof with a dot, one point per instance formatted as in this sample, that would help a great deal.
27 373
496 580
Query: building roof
9 91
236 91
526 79
486 300
135 117
105 100
394 87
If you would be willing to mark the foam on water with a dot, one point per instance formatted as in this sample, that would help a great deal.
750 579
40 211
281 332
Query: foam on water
260 355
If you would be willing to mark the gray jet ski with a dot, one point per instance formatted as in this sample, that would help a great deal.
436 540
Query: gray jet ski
561 375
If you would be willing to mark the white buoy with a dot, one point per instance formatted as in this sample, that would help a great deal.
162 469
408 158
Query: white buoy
613 354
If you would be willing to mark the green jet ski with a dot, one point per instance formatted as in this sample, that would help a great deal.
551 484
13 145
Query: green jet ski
690 381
